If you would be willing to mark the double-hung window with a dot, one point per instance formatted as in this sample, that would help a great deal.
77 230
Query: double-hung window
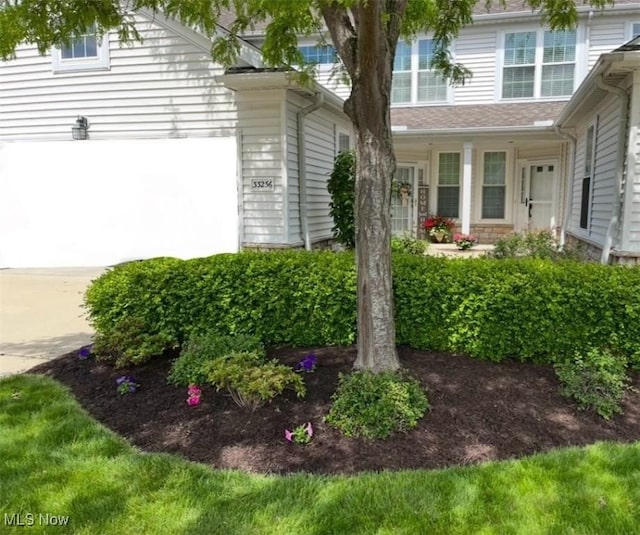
86 51
494 185
538 64
414 79
448 184
318 54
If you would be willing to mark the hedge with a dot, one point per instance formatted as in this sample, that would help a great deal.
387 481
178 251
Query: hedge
527 309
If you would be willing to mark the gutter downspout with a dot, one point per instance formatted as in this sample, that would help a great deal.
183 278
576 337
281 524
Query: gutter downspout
302 168
572 171
622 152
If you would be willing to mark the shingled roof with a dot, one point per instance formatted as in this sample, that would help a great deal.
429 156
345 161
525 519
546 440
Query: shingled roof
526 114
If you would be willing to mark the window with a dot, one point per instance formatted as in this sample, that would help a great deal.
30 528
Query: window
494 185
635 30
85 52
414 78
401 84
539 64
585 201
321 55
449 184
343 141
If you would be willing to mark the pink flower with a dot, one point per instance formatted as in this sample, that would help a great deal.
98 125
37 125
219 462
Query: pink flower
192 401
309 429
288 435
194 390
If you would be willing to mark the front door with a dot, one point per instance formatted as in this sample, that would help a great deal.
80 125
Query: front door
537 204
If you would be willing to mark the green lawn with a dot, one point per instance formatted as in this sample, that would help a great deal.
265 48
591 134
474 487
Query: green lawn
56 460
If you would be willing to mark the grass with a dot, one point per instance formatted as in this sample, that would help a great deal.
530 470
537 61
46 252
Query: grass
54 459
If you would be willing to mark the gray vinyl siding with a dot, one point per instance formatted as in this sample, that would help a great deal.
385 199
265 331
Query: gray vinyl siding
607 33
163 87
263 212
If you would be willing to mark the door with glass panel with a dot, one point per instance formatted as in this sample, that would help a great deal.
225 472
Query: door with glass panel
537 187
404 200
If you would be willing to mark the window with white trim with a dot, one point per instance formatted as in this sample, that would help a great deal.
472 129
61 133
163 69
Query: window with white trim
414 79
589 156
448 184
494 185
343 141
319 54
538 64
86 51
635 30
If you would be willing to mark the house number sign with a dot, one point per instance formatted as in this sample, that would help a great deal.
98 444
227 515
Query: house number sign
262 184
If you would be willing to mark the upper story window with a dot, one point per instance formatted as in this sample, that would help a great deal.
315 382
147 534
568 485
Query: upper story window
635 30
320 55
539 64
85 52
414 79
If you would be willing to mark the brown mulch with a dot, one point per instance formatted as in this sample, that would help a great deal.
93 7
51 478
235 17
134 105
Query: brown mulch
479 411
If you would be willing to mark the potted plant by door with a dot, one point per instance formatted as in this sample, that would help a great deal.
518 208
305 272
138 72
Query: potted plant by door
438 227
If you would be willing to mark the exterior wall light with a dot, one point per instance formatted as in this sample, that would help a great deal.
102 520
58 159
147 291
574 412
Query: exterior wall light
79 130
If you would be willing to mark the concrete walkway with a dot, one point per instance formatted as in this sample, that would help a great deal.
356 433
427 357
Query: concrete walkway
41 315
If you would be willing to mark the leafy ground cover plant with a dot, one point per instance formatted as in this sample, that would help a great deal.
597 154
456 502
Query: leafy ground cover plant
534 244
408 245
250 380
376 405
126 385
301 434
189 367
595 378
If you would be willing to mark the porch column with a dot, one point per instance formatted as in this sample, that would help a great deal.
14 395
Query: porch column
466 188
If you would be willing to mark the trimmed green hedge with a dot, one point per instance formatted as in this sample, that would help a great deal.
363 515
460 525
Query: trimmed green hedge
527 309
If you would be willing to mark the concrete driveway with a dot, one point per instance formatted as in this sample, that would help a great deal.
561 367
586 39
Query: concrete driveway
41 315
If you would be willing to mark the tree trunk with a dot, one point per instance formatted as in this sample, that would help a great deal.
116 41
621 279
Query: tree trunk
368 106
376 327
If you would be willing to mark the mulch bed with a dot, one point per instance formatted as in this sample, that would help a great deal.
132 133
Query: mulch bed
479 411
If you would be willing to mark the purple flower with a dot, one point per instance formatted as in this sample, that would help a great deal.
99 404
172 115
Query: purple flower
288 435
309 429
126 384
307 364
85 352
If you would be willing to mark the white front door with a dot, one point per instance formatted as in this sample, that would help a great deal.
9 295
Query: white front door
403 204
537 191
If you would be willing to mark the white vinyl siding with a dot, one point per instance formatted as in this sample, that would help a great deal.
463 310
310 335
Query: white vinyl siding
293 181
606 34
320 150
163 87
476 50
261 135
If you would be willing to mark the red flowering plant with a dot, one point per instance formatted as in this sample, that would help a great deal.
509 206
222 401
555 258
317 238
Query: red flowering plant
438 225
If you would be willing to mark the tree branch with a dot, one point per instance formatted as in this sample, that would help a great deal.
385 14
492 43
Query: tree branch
343 34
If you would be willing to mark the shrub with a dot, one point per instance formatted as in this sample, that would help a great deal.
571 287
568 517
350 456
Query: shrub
530 309
251 380
595 378
408 245
376 405
128 342
189 367
534 244
342 188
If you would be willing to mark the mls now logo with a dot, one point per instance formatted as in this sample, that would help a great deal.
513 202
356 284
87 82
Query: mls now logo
29 519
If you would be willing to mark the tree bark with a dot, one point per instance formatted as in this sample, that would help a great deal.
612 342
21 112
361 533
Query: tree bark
368 106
